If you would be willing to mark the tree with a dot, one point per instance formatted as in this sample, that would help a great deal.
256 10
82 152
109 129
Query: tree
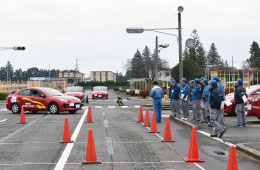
254 60
188 66
137 66
9 70
213 58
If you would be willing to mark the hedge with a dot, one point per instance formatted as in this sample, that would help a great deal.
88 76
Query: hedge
3 96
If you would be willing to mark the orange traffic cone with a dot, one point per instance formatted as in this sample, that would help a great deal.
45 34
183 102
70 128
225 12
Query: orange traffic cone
154 125
232 161
89 116
141 117
66 133
22 117
147 119
193 156
167 132
91 157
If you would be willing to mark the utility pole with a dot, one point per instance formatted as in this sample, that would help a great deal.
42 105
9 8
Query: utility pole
156 59
49 71
232 62
180 47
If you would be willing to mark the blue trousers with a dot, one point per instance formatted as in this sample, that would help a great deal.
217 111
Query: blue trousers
158 109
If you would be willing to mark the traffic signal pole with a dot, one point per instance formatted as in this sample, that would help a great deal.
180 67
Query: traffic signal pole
156 59
180 47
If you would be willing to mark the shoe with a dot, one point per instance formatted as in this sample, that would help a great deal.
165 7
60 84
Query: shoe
213 136
204 122
237 126
244 125
222 133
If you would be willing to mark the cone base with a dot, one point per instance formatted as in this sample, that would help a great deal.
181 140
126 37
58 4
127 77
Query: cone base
154 132
67 141
146 126
88 162
21 123
193 161
89 122
167 141
140 122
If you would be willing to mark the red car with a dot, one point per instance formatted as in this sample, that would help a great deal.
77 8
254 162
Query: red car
75 91
100 92
230 109
42 99
253 105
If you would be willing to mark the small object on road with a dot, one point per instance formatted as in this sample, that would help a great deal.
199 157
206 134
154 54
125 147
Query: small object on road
141 117
193 156
120 101
232 161
91 156
167 132
86 100
147 119
22 117
154 125
66 133
89 116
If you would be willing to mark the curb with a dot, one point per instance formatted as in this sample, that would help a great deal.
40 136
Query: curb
250 151
185 123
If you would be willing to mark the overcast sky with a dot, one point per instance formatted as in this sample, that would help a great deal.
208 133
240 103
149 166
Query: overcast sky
57 32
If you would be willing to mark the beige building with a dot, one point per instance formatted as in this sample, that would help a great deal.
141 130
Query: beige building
72 77
102 76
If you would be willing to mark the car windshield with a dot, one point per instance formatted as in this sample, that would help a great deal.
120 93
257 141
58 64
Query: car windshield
74 89
252 88
52 92
100 89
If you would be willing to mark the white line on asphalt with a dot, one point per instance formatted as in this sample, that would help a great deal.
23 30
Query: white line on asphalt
65 155
98 107
103 113
3 110
111 107
124 106
3 120
110 148
106 123
199 166
137 106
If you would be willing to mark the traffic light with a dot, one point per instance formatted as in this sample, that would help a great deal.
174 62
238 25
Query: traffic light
19 48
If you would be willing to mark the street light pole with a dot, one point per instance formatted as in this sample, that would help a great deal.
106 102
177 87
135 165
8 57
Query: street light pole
180 47
156 59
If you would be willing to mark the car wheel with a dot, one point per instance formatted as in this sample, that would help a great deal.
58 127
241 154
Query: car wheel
53 108
15 108
258 118
34 112
73 111
234 110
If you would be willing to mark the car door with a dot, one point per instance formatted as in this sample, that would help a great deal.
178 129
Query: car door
38 100
24 99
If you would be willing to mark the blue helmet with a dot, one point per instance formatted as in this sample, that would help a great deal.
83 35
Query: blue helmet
240 81
213 82
192 81
202 78
216 78
205 80
184 80
173 80
197 80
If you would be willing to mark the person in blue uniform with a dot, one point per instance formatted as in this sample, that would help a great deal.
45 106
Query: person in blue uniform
174 92
205 100
184 97
157 95
196 100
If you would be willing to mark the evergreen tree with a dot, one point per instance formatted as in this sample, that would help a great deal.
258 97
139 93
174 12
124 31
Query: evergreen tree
213 58
137 65
254 60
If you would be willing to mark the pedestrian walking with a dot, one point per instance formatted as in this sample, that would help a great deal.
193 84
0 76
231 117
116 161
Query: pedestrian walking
196 100
174 92
184 97
240 98
157 95
216 97
205 102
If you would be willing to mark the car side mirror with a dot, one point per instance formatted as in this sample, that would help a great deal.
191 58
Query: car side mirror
83 91
42 95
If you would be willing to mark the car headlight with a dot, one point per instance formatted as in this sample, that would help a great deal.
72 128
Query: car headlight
64 100
255 99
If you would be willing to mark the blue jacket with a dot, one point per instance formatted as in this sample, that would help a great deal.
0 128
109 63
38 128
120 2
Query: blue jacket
157 92
221 88
184 91
216 97
239 93
174 92
195 92
205 93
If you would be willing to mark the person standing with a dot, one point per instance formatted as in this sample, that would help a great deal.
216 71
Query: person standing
184 97
216 97
175 100
157 95
205 101
240 93
196 100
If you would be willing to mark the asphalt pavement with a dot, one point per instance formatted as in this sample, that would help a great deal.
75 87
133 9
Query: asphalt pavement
121 143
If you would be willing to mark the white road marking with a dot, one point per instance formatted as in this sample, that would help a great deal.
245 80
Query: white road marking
165 115
98 107
199 166
106 123
65 155
111 107
110 148
136 106
3 120
124 107
3 109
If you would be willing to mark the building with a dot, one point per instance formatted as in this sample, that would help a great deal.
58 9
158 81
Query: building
102 76
72 77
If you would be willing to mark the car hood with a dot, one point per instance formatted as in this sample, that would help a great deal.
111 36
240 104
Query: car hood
99 92
230 96
70 98
74 93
